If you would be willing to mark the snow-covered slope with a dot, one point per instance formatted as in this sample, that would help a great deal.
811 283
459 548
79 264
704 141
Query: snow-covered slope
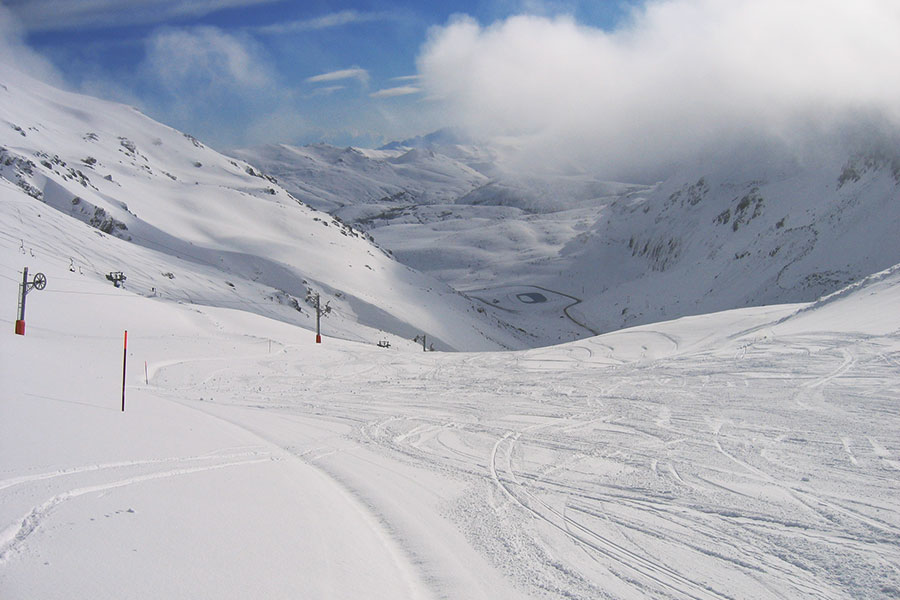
708 242
566 256
120 192
330 178
750 454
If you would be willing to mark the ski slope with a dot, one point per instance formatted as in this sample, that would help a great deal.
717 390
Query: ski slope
746 454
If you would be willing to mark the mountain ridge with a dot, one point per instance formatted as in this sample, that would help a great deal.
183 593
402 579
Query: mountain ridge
740 232
233 233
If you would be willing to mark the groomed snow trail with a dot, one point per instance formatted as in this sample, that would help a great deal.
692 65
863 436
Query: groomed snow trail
711 473
165 500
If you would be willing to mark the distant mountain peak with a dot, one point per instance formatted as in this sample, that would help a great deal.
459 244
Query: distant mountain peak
442 137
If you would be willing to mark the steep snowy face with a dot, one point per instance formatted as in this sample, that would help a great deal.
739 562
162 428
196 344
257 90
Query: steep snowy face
215 229
600 256
701 243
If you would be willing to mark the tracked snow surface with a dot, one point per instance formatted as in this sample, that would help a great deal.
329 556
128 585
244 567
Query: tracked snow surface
750 453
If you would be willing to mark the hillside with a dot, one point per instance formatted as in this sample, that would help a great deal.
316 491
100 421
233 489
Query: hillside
567 256
705 242
331 178
102 188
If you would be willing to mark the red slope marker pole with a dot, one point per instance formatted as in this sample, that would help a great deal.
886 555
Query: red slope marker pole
318 320
124 362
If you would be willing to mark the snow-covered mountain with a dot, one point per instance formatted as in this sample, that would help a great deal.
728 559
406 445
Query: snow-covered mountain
544 258
331 178
707 241
566 256
745 454
103 188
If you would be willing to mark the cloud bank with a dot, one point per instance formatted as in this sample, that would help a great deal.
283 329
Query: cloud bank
678 81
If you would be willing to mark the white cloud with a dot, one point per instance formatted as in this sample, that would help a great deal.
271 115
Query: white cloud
206 81
679 79
15 53
205 58
404 90
352 73
337 19
60 15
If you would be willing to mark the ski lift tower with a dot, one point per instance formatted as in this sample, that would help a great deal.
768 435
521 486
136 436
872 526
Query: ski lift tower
38 283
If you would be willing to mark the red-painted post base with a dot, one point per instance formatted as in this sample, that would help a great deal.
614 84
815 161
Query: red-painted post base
318 338
20 327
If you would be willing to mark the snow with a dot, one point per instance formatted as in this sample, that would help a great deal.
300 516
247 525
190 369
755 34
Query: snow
746 454
734 233
749 453
188 224
328 178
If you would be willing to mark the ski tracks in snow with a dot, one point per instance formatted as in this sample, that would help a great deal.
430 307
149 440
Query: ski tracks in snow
536 470
683 476
8 483
15 535
600 547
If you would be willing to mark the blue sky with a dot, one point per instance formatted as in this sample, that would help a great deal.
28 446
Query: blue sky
624 89
242 72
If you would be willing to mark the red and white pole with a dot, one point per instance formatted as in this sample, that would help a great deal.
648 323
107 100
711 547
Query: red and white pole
124 362
318 320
